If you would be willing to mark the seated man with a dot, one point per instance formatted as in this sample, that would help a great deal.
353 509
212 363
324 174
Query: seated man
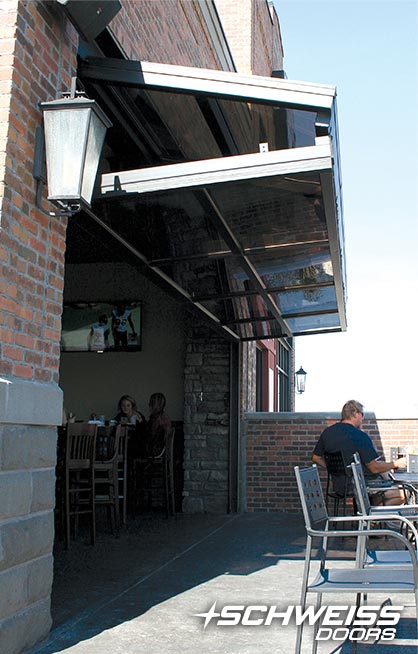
346 436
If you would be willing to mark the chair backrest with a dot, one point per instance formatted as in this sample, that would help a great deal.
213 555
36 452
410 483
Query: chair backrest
412 462
393 453
123 443
335 463
311 495
80 444
169 448
360 486
108 443
166 444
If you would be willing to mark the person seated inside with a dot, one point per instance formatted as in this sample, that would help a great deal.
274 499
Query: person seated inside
128 413
158 425
347 437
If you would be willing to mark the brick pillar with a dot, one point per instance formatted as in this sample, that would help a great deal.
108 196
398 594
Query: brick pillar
38 56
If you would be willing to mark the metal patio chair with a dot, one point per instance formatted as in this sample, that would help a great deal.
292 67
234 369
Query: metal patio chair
395 558
405 514
410 492
336 580
412 463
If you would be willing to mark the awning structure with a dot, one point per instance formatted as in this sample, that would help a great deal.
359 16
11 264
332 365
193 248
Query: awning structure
226 188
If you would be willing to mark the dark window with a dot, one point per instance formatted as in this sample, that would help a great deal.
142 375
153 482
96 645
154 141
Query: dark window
283 378
259 380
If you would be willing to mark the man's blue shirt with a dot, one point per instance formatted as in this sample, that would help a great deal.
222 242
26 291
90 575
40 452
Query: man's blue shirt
345 438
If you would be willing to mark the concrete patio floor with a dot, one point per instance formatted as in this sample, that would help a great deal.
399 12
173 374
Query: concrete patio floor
142 591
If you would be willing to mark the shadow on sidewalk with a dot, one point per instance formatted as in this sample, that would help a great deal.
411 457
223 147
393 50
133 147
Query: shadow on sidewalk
155 559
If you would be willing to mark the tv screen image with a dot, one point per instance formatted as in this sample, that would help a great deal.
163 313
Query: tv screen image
101 326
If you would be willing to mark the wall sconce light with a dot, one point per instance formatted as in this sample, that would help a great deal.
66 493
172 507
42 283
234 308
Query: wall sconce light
75 129
300 381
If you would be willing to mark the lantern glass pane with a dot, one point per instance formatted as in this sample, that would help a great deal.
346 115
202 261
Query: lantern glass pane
300 382
96 135
65 140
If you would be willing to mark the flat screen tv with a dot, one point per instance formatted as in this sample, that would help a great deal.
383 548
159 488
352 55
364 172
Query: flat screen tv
101 326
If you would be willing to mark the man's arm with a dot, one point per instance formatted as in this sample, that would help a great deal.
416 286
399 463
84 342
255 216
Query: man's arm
130 321
319 460
376 467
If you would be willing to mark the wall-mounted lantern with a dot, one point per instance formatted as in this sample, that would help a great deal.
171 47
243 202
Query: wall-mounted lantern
75 129
300 381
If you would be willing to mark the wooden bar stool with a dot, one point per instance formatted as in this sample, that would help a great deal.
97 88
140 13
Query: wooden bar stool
80 447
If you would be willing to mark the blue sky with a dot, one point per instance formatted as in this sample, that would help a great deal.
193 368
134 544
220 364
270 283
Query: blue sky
368 49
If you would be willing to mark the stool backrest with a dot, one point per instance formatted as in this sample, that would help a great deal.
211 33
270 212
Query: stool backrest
80 445
107 444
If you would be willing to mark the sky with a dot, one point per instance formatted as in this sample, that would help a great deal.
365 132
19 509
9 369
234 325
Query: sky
368 50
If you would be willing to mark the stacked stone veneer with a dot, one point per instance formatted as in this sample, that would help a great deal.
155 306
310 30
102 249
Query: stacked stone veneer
27 486
276 442
206 422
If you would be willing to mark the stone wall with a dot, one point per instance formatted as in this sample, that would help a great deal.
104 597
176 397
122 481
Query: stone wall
206 422
275 442
27 485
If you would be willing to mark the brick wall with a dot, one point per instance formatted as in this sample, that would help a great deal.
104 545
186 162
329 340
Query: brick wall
237 16
253 33
169 32
37 53
38 57
275 443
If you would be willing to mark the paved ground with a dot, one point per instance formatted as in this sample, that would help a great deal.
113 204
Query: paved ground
141 592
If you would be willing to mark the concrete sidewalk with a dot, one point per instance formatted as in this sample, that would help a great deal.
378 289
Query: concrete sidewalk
143 592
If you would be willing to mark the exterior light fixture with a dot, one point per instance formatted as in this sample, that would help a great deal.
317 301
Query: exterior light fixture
300 381
75 129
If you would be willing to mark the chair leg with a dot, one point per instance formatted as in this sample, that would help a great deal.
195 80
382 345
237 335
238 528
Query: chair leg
67 515
166 495
93 518
172 498
124 495
116 505
316 625
299 627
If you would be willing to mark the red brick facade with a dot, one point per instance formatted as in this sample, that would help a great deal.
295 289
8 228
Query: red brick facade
165 32
247 23
275 443
37 62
